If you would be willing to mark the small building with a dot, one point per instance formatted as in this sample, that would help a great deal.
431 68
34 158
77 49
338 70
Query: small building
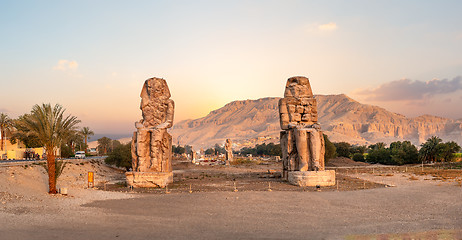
19 151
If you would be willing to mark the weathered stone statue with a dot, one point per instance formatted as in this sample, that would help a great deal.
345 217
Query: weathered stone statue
193 155
302 141
202 153
151 143
229 151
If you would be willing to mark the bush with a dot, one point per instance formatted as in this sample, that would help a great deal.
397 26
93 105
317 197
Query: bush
446 151
403 153
120 156
379 155
343 149
358 157
331 151
66 151
434 150
239 161
264 149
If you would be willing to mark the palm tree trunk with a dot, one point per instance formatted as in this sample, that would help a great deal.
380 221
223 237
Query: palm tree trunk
86 146
51 171
3 136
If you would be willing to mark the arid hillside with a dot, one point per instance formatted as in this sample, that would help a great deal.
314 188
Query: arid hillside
341 118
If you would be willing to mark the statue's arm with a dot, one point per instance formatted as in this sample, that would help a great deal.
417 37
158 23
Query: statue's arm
144 96
169 116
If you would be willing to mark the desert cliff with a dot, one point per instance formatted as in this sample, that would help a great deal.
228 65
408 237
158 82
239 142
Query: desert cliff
341 118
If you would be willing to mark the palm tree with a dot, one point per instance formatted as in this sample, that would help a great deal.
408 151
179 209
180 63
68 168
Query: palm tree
429 150
103 145
75 140
51 128
86 133
5 126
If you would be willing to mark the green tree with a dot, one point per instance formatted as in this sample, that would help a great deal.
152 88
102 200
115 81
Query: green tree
358 149
378 153
74 141
23 134
86 133
188 149
178 149
377 145
274 149
264 149
358 157
343 149
120 156
104 145
429 150
219 149
66 151
209 151
446 151
5 127
403 153
331 151
51 128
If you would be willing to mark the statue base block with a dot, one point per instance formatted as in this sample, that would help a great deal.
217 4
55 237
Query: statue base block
312 178
149 179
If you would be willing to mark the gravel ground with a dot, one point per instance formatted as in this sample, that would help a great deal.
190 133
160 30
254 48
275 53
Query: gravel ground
415 209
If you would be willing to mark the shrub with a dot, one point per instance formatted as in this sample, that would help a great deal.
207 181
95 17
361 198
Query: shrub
331 151
120 156
403 153
343 149
358 157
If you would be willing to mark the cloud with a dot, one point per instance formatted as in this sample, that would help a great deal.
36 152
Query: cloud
406 89
328 26
65 65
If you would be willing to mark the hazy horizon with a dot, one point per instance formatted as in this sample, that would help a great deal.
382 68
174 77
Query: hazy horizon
93 57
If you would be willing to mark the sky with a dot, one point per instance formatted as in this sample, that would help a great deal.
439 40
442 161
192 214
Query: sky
92 57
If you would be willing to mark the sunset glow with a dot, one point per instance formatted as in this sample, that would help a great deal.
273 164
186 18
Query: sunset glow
93 57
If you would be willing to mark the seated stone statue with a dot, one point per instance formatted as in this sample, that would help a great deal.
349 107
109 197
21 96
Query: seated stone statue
151 144
229 151
302 142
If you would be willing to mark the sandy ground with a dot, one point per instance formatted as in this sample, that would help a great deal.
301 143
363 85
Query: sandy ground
418 207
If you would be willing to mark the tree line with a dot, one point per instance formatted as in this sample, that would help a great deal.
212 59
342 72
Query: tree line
400 152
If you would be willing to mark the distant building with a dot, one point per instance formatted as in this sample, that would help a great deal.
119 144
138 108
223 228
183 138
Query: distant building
19 150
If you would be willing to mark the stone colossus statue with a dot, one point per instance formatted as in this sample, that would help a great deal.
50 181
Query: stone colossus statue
151 144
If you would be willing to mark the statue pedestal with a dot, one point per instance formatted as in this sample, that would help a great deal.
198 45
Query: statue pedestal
149 179
312 178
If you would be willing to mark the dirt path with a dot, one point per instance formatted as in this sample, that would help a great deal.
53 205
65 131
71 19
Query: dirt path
249 215
424 206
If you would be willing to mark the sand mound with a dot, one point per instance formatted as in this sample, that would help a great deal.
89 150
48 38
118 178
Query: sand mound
344 162
26 187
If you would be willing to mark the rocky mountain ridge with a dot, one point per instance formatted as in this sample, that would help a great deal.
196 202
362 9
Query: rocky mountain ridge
341 118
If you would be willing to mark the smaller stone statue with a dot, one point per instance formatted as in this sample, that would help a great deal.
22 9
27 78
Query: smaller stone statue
229 151
193 156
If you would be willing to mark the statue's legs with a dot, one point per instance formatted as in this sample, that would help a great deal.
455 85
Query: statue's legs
315 150
156 150
142 150
301 137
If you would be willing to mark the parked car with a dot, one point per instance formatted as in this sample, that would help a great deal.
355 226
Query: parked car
80 154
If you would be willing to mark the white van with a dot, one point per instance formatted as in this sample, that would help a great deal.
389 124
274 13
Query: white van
80 154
